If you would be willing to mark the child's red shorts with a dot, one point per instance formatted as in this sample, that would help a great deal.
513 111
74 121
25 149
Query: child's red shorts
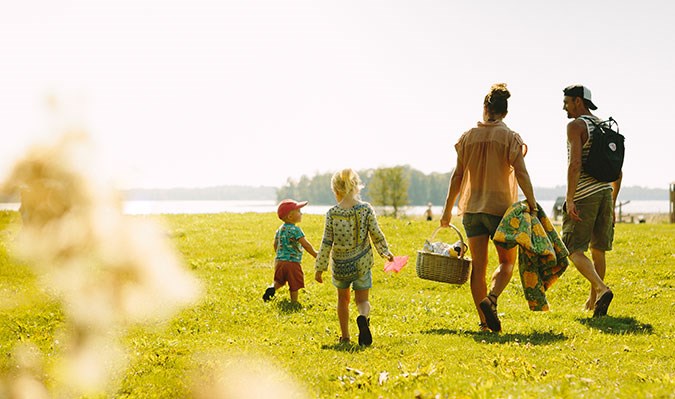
291 273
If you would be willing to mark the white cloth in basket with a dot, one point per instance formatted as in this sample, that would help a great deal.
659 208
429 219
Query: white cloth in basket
441 248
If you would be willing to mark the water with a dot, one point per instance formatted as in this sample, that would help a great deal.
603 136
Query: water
192 207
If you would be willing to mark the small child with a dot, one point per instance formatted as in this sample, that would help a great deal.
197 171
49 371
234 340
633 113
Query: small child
350 227
287 245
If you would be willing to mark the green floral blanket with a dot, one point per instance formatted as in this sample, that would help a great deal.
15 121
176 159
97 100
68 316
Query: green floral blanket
542 256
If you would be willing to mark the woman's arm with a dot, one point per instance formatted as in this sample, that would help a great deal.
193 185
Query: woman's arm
523 178
453 191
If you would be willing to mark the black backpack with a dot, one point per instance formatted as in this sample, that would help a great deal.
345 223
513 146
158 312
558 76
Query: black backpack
605 157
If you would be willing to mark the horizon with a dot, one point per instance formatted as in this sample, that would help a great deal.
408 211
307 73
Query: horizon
200 94
253 193
560 186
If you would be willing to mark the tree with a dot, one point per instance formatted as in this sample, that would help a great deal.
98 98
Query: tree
421 188
389 187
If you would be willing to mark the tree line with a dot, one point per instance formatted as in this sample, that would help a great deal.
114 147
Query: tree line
392 187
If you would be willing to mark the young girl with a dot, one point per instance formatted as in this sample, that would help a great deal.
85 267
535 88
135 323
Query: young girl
350 227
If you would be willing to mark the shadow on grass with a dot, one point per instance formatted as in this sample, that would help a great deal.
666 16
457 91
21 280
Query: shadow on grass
344 347
285 306
534 338
618 325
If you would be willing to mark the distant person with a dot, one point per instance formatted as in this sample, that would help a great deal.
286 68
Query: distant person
289 240
490 159
588 216
350 227
428 213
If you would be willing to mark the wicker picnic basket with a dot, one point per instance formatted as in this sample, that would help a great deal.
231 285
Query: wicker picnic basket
442 268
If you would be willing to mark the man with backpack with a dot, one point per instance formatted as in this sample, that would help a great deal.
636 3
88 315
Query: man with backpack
588 216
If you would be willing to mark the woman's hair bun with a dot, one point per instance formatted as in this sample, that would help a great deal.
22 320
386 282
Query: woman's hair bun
496 100
499 91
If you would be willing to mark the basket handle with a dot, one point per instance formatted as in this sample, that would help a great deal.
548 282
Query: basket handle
459 233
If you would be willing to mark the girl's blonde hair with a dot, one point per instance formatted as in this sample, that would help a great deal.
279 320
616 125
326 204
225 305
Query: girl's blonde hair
346 182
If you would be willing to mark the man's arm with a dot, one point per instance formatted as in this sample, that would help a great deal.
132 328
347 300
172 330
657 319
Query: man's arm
576 130
616 186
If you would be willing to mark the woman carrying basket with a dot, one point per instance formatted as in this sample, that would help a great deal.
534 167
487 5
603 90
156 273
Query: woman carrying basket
490 160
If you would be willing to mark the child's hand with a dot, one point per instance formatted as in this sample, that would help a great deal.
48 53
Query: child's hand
318 277
391 258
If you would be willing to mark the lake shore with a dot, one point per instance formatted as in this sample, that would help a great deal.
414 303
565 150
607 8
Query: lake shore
647 211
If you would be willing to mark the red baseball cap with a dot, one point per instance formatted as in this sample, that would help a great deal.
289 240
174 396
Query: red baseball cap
288 205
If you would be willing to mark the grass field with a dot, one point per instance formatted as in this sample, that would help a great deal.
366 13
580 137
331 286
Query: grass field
426 340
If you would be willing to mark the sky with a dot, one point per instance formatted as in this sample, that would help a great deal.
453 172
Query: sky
194 93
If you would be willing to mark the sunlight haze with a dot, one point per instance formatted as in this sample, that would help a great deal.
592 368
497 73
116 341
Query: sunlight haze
182 93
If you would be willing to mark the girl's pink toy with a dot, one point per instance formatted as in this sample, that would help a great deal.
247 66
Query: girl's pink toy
397 264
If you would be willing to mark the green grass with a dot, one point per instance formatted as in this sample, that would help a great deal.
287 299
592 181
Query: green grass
426 341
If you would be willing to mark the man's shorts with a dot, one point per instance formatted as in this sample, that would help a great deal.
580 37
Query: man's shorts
290 272
364 282
480 224
596 226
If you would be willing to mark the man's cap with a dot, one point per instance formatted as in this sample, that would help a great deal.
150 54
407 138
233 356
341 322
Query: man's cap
580 91
286 206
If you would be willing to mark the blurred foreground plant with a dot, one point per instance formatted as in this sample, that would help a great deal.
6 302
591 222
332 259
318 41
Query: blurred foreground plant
109 271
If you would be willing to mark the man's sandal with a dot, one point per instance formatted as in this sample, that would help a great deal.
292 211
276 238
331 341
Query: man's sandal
602 304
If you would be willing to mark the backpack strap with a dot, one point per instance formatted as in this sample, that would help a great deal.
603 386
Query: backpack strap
598 124
591 127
